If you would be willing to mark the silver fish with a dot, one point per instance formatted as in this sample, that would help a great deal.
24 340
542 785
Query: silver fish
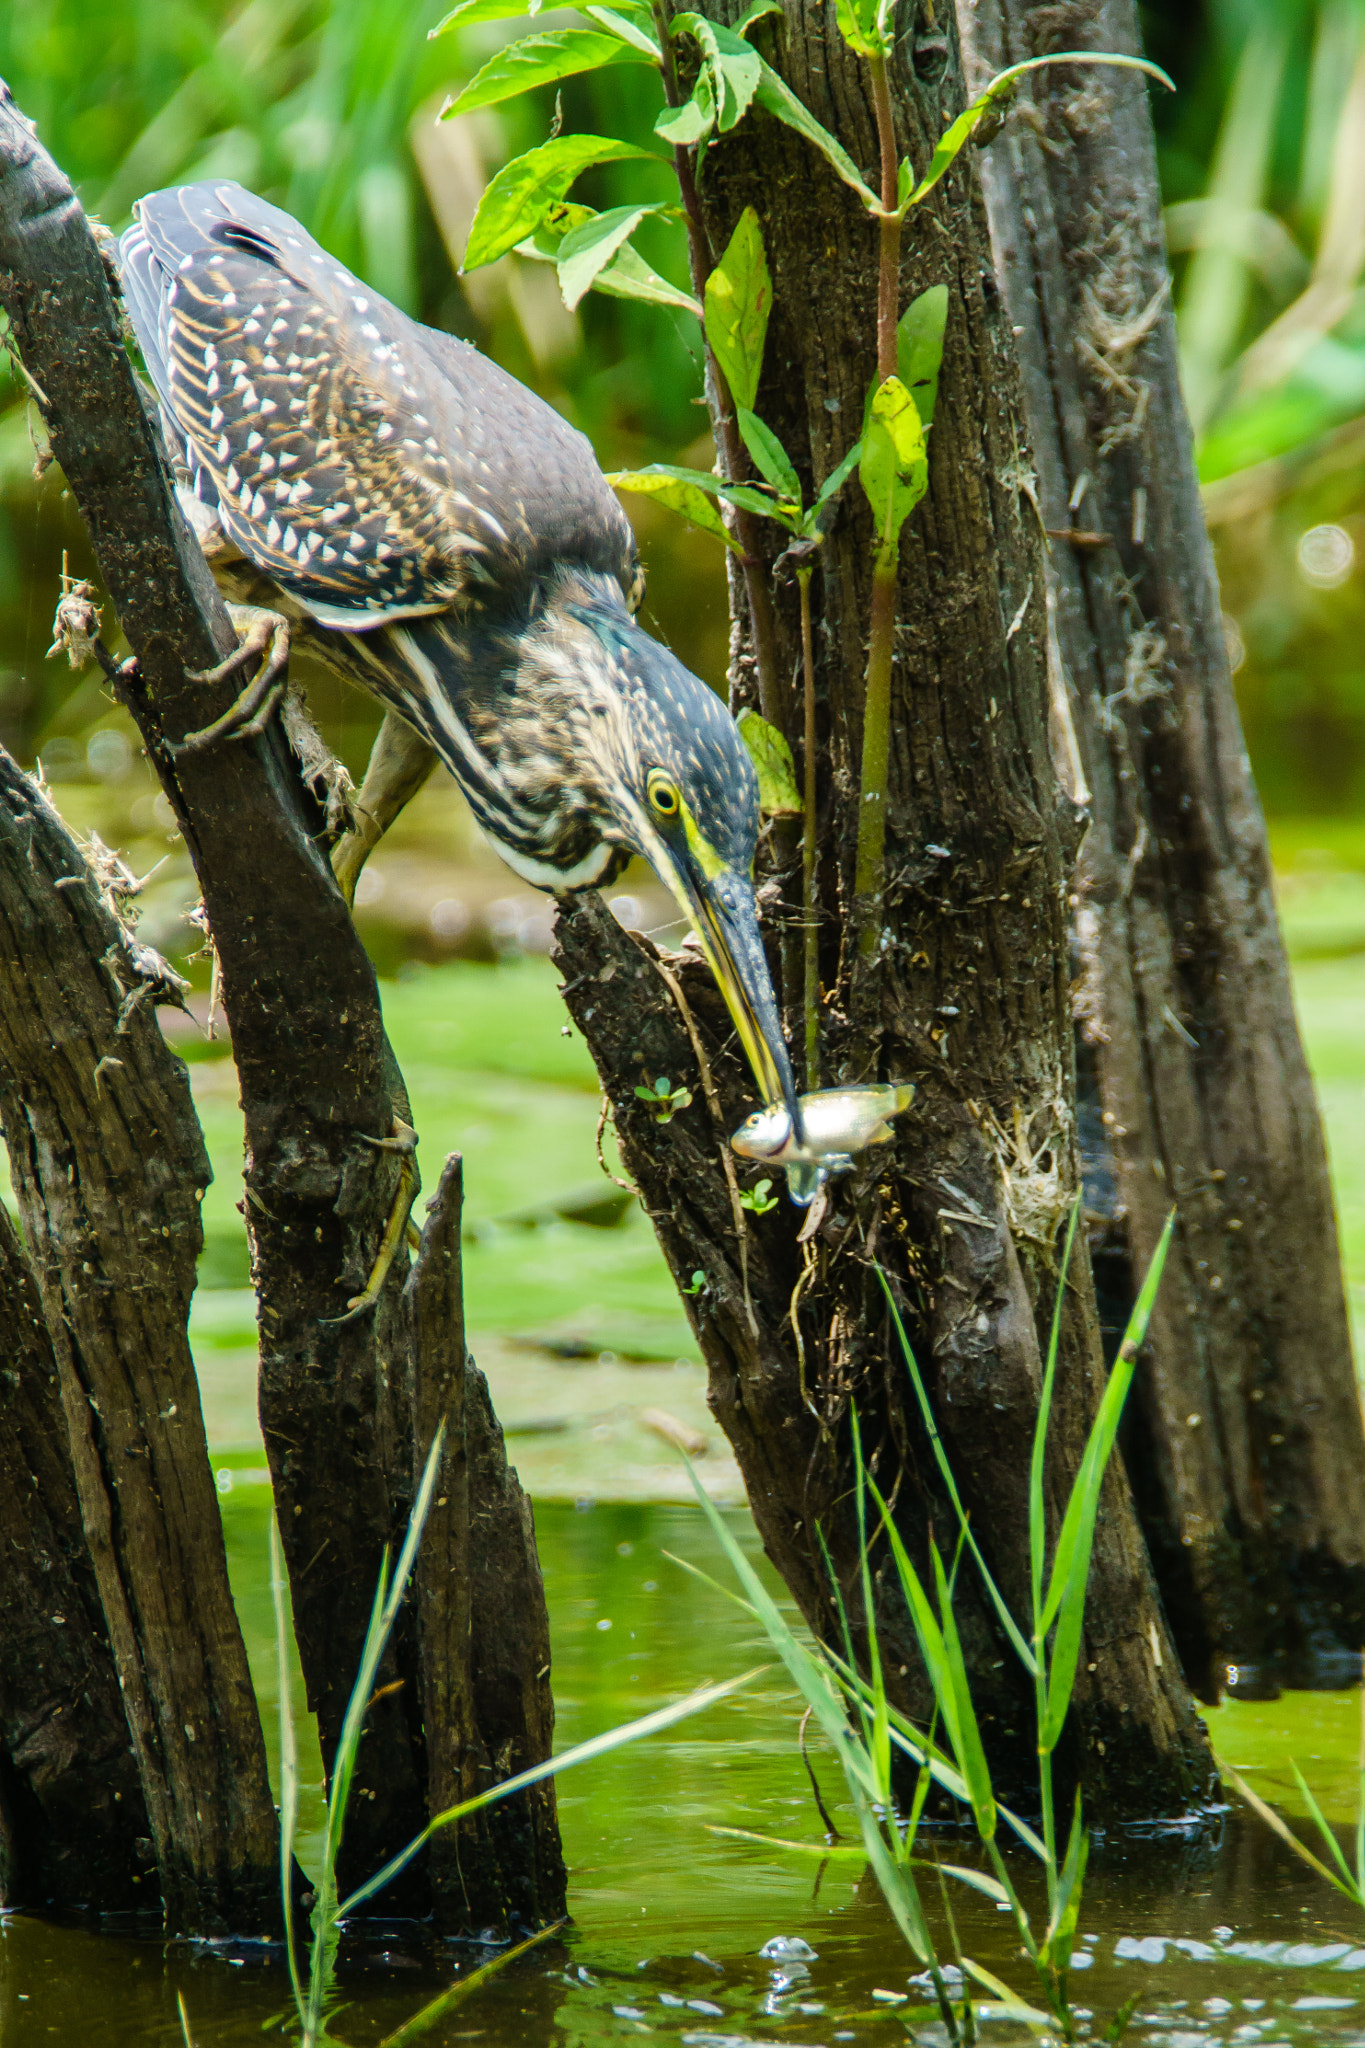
839 1122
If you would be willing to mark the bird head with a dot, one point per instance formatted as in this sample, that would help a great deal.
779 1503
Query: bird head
673 781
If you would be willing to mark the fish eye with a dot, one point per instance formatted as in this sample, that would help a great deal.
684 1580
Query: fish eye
664 796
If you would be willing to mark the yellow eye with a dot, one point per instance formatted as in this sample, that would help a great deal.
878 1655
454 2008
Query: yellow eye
664 797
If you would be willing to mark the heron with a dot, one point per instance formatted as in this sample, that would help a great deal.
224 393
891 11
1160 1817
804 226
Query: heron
384 494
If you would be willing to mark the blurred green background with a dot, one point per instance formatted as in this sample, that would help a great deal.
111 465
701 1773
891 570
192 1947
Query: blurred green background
328 108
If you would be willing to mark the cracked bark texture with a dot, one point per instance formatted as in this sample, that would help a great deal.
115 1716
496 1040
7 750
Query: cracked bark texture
109 1169
317 1075
1245 1445
969 997
73 1823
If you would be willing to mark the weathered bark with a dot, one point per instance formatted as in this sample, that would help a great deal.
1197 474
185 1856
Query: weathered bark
109 1168
1247 1451
73 1822
317 1075
969 995
486 1706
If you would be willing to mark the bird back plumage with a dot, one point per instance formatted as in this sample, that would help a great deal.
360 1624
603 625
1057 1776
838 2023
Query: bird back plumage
374 468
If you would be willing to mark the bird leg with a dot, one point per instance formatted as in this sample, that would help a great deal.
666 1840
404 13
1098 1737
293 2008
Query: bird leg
264 640
403 1141
399 764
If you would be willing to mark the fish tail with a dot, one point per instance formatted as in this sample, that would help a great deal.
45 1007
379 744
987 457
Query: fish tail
904 1092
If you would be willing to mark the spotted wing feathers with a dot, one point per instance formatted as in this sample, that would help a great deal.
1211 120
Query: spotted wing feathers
372 467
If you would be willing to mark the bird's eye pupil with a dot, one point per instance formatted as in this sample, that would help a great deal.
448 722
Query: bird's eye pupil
664 798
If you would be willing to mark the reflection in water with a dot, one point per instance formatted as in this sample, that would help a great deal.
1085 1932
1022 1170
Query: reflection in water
1225 1937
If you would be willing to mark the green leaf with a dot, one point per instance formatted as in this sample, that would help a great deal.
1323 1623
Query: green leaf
778 795
739 298
471 12
777 98
522 193
859 26
691 121
752 15
732 66
540 60
586 251
1001 86
680 494
919 348
893 468
627 276
834 483
770 457
629 31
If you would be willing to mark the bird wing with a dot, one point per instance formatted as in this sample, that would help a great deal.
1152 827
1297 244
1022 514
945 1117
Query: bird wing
374 468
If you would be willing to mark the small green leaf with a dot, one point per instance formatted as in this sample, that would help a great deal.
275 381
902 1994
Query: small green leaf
954 139
859 27
517 200
732 66
739 298
919 348
471 12
680 495
778 795
752 15
893 468
770 457
629 31
586 251
691 121
834 483
905 180
777 98
540 60
627 276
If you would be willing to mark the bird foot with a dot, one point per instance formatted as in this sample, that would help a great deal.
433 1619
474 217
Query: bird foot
403 1141
264 646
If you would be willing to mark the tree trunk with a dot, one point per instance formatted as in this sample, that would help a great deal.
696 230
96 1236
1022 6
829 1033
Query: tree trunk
1246 1446
969 996
484 1633
109 1168
73 1823
317 1075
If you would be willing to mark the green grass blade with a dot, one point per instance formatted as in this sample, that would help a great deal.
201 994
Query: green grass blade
581 1753
1017 2008
997 1598
881 1734
1284 1831
289 1764
820 1849
422 2022
972 1755
1066 1905
184 2012
1037 1517
1071 1566
1324 1828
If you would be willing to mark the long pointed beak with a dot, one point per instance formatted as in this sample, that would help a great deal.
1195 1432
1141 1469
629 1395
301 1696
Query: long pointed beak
724 913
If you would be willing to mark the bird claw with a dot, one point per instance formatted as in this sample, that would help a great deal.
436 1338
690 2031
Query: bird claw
397 1230
264 640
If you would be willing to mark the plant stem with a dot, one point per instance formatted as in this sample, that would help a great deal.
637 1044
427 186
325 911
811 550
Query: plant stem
812 977
889 267
700 258
870 874
870 871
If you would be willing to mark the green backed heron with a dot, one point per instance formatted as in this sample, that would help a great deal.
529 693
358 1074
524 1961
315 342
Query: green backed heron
441 537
